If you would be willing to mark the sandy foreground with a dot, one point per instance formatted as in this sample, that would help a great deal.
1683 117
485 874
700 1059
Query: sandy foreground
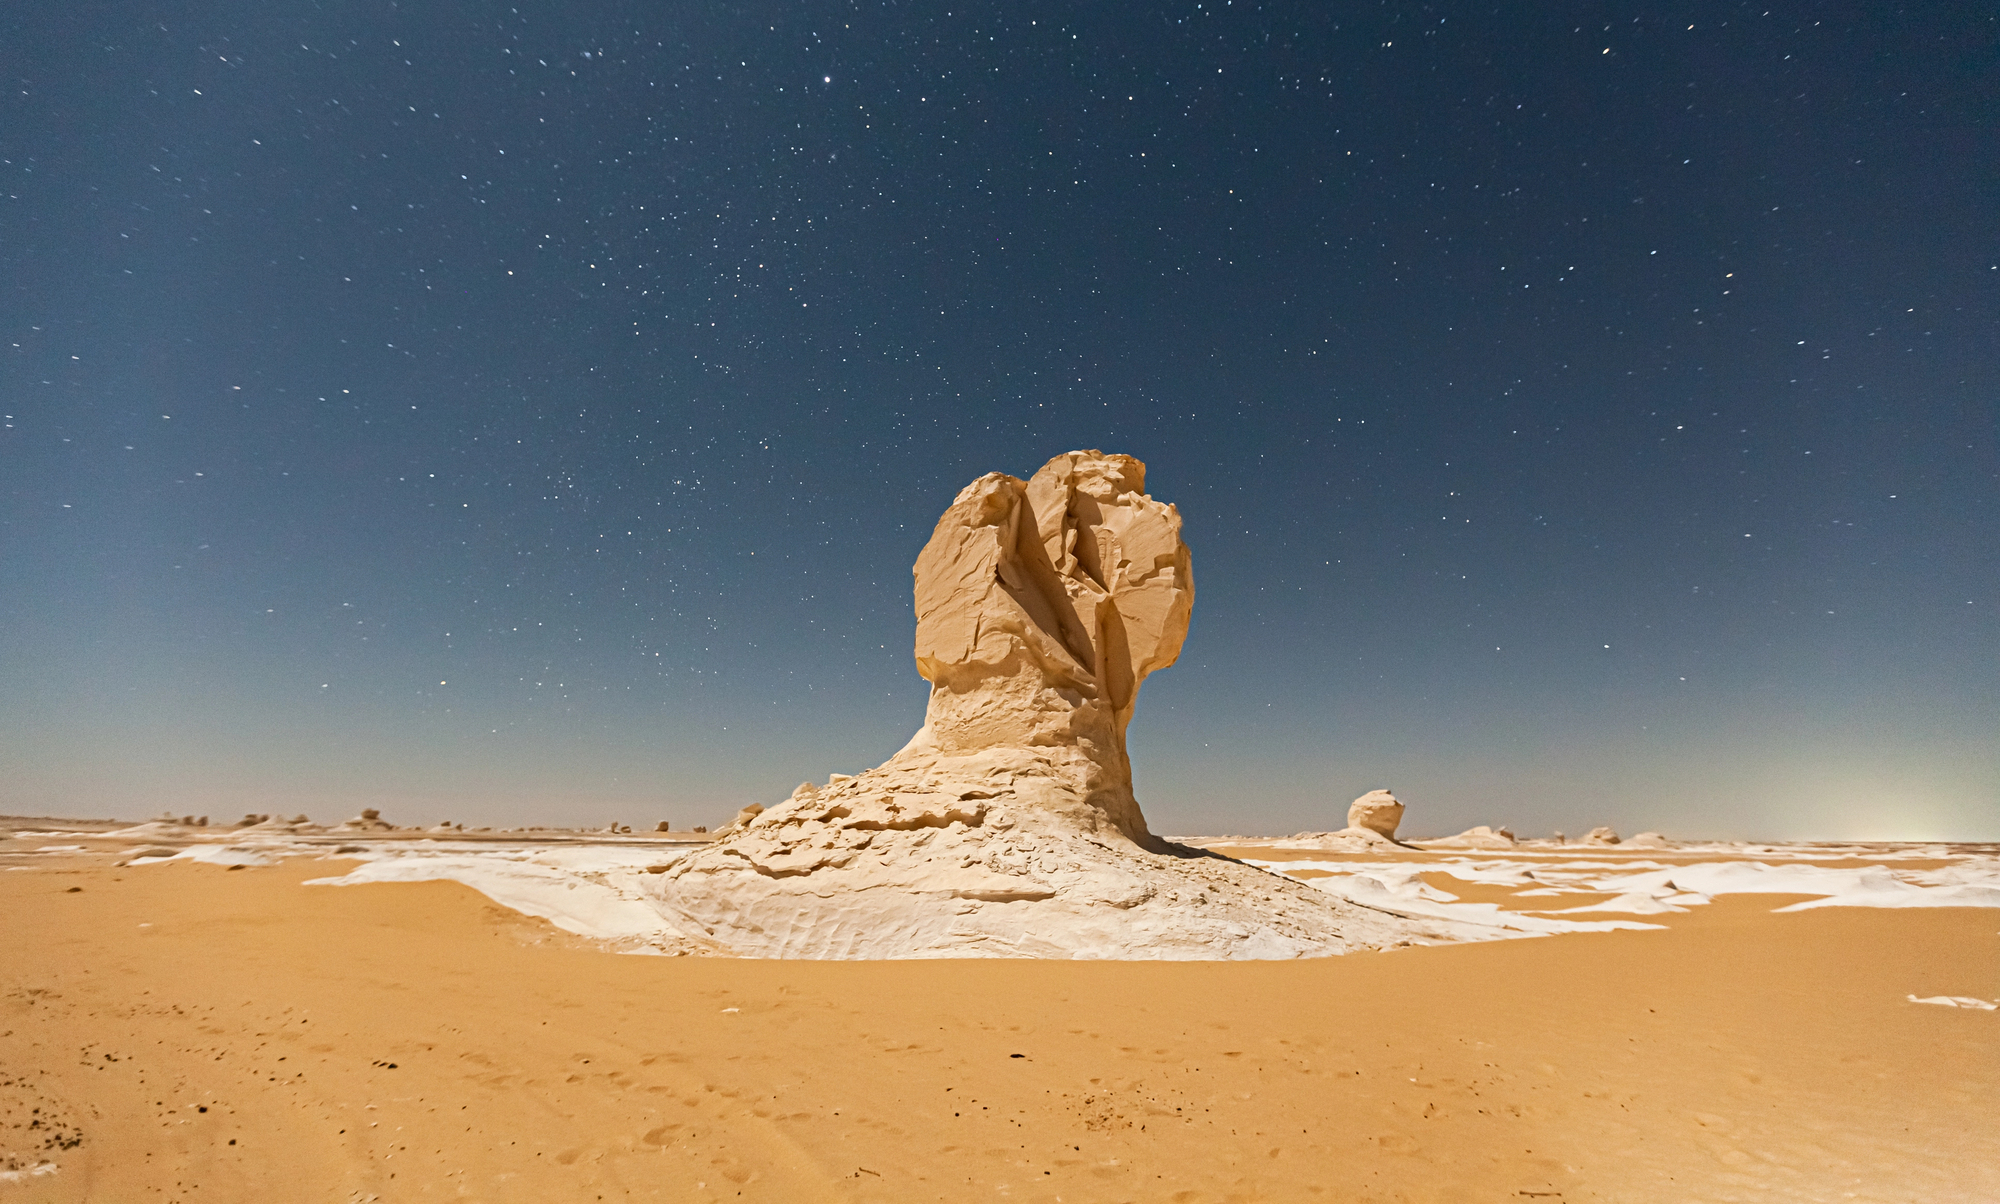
191 1031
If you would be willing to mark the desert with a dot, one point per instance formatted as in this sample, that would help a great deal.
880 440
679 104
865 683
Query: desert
975 972
1184 603
208 1026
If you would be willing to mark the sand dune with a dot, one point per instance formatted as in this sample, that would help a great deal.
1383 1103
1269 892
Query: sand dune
196 1031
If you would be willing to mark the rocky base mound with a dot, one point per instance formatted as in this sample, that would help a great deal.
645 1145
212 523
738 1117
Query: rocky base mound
933 855
1480 837
1344 840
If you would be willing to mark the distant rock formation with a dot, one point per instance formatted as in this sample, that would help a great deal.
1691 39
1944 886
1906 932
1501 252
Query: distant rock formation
369 820
1372 820
1007 826
264 824
1377 811
1478 837
1601 836
1648 840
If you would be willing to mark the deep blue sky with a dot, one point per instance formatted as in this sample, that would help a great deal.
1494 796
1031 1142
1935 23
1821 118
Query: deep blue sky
1580 413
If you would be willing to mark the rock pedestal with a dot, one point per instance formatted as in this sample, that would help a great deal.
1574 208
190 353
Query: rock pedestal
1007 825
1378 811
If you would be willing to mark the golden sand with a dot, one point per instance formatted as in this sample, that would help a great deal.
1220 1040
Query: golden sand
186 1032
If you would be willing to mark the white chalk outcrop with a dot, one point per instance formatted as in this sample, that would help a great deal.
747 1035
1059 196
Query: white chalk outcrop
1007 826
1376 811
1479 836
1372 821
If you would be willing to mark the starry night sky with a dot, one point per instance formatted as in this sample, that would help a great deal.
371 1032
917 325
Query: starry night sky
531 413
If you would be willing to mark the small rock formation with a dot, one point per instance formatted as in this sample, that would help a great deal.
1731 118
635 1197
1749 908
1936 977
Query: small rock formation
1477 837
1007 826
370 820
1601 836
1377 811
1648 840
664 827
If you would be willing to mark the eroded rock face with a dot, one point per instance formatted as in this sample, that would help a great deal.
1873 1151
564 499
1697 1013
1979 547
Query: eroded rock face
1007 826
1478 837
1377 811
1041 607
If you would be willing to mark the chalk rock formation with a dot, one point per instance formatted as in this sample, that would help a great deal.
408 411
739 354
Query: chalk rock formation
1649 840
1007 825
1371 823
1601 836
369 820
1478 837
1377 811
743 819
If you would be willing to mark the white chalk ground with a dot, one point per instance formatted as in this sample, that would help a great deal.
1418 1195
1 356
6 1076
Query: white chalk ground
600 891
609 889
1959 1001
1646 887
591 890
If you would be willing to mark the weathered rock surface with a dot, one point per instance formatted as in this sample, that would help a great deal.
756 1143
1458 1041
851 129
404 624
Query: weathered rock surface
1601 836
1007 826
1372 820
1345 839
1478 837
1377 811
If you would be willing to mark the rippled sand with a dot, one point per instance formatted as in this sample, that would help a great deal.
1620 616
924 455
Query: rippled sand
185 1030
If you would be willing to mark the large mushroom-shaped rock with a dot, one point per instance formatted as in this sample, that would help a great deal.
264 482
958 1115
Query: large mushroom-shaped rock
1378 811
1007 825
1371 825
